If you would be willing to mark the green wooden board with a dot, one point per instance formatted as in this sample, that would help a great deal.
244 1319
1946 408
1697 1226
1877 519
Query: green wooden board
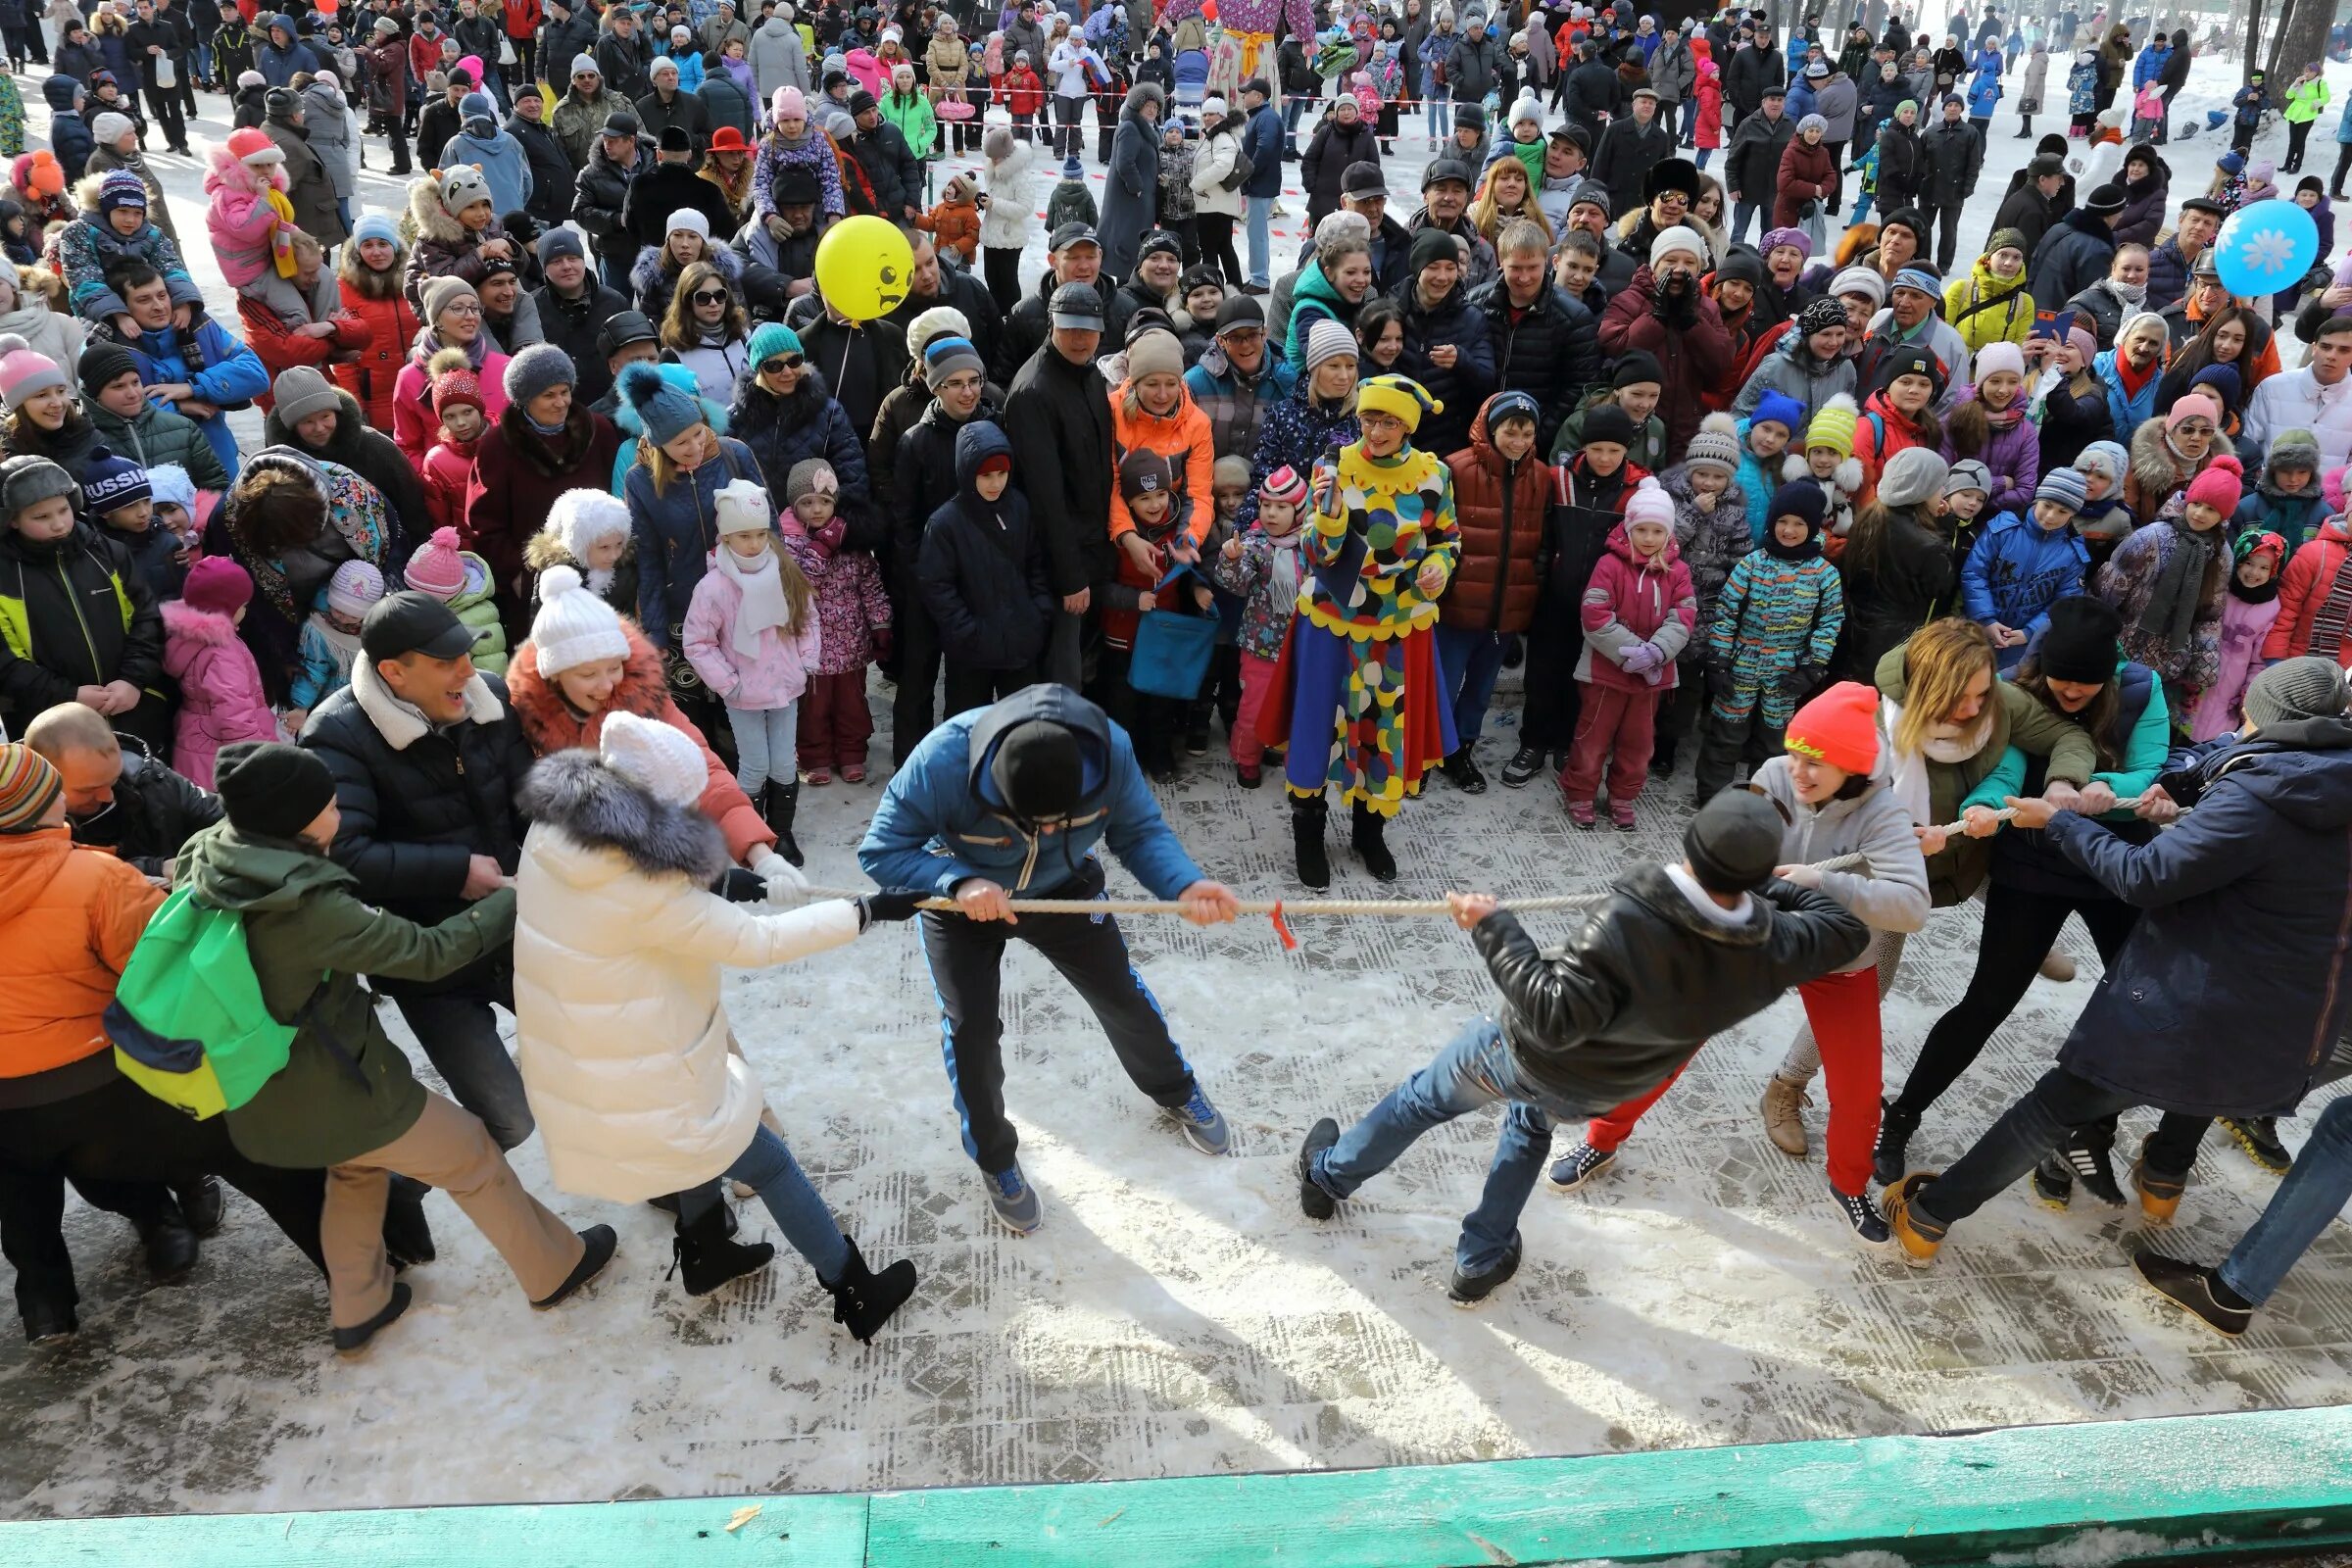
2123 1491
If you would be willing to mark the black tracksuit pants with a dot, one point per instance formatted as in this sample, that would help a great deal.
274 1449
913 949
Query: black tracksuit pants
967 958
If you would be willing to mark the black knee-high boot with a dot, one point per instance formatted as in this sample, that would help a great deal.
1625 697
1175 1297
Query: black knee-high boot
1369 834
1310 815
779 802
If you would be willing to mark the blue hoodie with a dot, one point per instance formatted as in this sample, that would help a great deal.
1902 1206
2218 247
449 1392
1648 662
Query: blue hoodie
278 66
505 167
942 820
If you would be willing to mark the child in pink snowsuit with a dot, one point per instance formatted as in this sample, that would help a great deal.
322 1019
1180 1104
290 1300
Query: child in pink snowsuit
751 634
244 223
1638 612
852 619
2247 612
220 697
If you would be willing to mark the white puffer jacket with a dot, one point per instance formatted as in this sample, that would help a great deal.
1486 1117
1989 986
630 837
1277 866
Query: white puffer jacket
1210 167
617 947
1004 225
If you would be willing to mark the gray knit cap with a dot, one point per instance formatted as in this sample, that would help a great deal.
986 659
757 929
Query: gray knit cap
301 391
2293 689
535 369
1911 477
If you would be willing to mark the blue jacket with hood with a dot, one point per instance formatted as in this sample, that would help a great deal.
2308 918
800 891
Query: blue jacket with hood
2016 570
943 820
279 66
505 167
2232 993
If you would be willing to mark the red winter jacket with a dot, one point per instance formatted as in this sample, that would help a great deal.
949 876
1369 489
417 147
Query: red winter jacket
1695 358
1495 583
2310 578
390 327
280 347
1807 174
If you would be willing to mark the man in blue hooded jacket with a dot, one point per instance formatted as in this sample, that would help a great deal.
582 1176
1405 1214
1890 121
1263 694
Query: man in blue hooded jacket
1011 801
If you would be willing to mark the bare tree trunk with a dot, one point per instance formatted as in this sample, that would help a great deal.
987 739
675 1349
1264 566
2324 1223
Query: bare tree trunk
2300 38
2245 65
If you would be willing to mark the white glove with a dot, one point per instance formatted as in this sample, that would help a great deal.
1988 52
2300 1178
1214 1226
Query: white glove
786 886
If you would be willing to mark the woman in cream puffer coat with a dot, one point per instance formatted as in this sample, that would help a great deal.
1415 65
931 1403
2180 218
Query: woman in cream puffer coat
620 1032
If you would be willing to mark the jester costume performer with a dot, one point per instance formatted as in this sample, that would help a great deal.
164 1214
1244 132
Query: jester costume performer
1246 32
1357 691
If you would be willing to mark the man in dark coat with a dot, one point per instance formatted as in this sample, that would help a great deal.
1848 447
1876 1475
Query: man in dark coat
922 479
2032 204
1590 93
1058 417
426 757
890 165
1545 343
1665 312
670 185
1955 156
1446 345
1749 73
573 308
623 54
551 173
1630 147
117 796
1673 954
666 107
2081 250
1073 255
2172 264
2243 907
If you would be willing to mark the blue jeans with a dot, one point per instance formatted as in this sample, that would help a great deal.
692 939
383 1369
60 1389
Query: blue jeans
1473 1072
460 1034
765 746
1441 110
1691 128
1261 241
768 1168
1472 661
1702 160
2307 1202
1292 107
1742 214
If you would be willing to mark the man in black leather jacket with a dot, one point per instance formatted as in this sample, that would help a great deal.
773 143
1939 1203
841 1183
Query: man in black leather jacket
117 796
1670 955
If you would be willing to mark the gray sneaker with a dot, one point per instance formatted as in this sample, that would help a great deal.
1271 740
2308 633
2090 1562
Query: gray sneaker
1015 1201
1203 1124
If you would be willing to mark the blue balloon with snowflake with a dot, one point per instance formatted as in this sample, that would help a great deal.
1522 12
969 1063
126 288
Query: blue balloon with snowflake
2266 247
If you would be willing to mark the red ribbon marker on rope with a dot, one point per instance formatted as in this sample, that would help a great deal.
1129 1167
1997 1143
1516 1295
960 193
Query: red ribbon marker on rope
1290 943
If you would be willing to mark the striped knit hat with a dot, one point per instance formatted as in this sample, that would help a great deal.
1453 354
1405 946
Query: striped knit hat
1716 445
1284 485
28 784
2065 487
1833 426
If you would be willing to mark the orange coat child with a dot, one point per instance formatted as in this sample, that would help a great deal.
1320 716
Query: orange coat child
955 221
1151 411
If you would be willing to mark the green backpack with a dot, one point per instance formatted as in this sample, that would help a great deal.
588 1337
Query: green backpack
188 1022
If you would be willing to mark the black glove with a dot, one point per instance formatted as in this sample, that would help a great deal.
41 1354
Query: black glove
1802 681
738 886
1719 679
891 903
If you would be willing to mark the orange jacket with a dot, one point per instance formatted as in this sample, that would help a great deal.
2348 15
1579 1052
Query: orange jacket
957 225
69 919
1183 438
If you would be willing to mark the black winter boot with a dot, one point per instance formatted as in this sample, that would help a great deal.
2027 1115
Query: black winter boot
1369 834
1896 1127
1308 818
201 1204
710 1260
170 1246
864 1300
779 804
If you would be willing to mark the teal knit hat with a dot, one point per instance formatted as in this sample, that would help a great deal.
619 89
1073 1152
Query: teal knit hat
665 412
771 338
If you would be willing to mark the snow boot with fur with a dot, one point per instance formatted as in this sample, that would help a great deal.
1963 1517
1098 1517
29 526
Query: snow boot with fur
864 1300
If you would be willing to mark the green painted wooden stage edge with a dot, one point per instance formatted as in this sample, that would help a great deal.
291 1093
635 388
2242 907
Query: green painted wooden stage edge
2177 1490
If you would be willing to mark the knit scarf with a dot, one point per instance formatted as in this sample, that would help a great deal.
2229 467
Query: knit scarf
1946 744
429 343
2172 607
2334 612
762 606
2003 419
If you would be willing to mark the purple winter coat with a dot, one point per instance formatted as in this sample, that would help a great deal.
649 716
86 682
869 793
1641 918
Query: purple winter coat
2015 452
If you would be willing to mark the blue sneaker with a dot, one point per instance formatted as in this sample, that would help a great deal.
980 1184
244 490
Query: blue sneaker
1015 1201
1203 1124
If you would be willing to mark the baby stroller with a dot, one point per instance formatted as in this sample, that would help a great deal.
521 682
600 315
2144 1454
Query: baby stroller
1192 81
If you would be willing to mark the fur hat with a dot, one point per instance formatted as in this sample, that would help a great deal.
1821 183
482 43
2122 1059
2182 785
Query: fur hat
26 481
659 759
1840 726
583 519
1716 445
573 626
2220 486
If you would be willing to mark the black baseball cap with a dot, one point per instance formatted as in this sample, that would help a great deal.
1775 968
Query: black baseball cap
625 329
410 622
1362 180
1074 233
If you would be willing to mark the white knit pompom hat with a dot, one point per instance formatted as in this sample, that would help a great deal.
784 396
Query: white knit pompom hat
573 626
658 759
583 519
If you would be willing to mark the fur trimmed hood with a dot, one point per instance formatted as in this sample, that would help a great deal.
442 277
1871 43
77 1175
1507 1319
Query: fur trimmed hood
2159 470
1847 475
434 220
575 793
184 622
548 721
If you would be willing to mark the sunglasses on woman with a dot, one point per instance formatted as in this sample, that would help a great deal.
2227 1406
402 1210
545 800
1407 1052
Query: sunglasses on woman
780 363
709 296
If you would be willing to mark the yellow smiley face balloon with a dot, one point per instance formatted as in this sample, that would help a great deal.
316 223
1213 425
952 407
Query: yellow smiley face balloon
863 265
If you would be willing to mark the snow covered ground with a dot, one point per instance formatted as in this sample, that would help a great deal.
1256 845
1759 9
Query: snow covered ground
1177 1316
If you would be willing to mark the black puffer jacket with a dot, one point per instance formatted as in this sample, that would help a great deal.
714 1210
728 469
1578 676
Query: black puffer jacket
600 198
983 566
1029 325
154 812
419 803
1550 351
76 614
1462 386
1059 414
1647 978
551 173
924 480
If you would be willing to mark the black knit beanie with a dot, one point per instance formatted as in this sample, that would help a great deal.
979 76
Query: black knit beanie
1733 842
2081 643
271 790
1037 771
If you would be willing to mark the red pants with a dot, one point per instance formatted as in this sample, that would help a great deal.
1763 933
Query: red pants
835 723
1615 725
1243 741
1843 1010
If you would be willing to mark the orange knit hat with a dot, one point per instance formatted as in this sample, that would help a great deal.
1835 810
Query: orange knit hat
1839 727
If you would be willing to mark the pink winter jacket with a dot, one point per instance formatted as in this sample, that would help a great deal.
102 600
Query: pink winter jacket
1630 602
220 697
240 220
773 679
